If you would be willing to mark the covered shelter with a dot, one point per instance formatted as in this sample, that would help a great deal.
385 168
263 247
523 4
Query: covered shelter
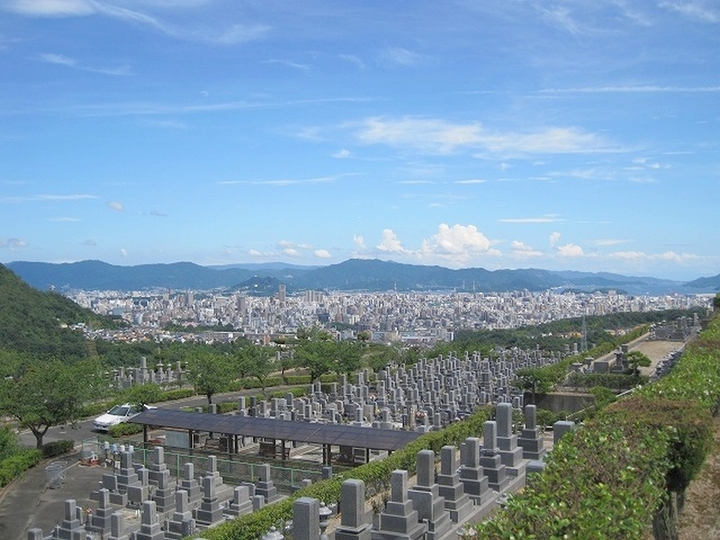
232 427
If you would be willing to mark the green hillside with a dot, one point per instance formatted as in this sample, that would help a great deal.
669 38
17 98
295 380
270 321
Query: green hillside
39 323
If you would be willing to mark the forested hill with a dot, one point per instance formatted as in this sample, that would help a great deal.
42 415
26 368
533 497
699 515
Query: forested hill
39 323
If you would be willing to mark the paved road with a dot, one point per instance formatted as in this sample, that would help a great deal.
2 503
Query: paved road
28 502
83 430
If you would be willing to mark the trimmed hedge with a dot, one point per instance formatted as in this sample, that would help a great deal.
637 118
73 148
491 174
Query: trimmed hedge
124 429
57 448
609 479
17 464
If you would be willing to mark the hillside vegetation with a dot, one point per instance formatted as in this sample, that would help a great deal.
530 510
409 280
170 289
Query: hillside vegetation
40 323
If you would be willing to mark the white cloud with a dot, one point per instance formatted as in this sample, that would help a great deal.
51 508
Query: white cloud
390 242
441 137
116 205
459 243
51 8
359 241
694 9
123 252
522 250
51 58
342 154
554 237
322 253
627 255
471 181
570 250
610 242
550 218
291 252
13 244
398 55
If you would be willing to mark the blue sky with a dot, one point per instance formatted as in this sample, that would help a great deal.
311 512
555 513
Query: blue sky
565 135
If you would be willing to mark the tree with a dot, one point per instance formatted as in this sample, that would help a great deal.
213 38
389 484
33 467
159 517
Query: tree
49 393
636 360
316 357
209 373
142 394
256 361
536 380
347 357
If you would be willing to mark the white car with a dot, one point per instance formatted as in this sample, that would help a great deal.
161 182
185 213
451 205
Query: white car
117 415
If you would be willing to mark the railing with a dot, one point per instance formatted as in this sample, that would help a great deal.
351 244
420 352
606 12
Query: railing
233 471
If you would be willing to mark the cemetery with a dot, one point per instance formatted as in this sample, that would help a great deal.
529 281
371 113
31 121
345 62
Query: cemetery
401 418
338 427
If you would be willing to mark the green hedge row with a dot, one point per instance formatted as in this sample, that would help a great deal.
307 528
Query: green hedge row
57 448
375 474
17 464
610 478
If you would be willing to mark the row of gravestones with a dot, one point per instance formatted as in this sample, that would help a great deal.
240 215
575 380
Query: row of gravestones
173 510
138 503
424 397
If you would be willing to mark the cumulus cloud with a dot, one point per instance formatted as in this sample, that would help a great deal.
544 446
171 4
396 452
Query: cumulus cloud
291 252
322 253
570 250
458 241
390 243
359 241
454 245
554 238
116 205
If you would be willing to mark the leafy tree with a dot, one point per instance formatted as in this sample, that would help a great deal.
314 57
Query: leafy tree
49 393
347 356
8 442
256 361
316 357
636 360
142 394
535 380
209 372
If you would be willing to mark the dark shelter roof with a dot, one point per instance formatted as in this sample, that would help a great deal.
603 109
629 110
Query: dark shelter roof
270 428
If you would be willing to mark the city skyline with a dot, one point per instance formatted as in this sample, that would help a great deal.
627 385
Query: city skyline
563 137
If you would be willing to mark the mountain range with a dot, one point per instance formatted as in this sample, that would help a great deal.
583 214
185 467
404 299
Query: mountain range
350 275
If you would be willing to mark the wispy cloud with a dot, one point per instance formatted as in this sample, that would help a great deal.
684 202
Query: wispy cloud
471 181
441 137
631 89
283 181
231 34
400 56
64 219
695 9
116 205
46 197
551 218
288 63
61 60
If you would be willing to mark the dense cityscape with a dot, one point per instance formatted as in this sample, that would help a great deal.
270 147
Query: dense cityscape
409 318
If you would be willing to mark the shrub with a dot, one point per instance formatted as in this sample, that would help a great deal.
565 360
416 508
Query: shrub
57 448
15 465
124 430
